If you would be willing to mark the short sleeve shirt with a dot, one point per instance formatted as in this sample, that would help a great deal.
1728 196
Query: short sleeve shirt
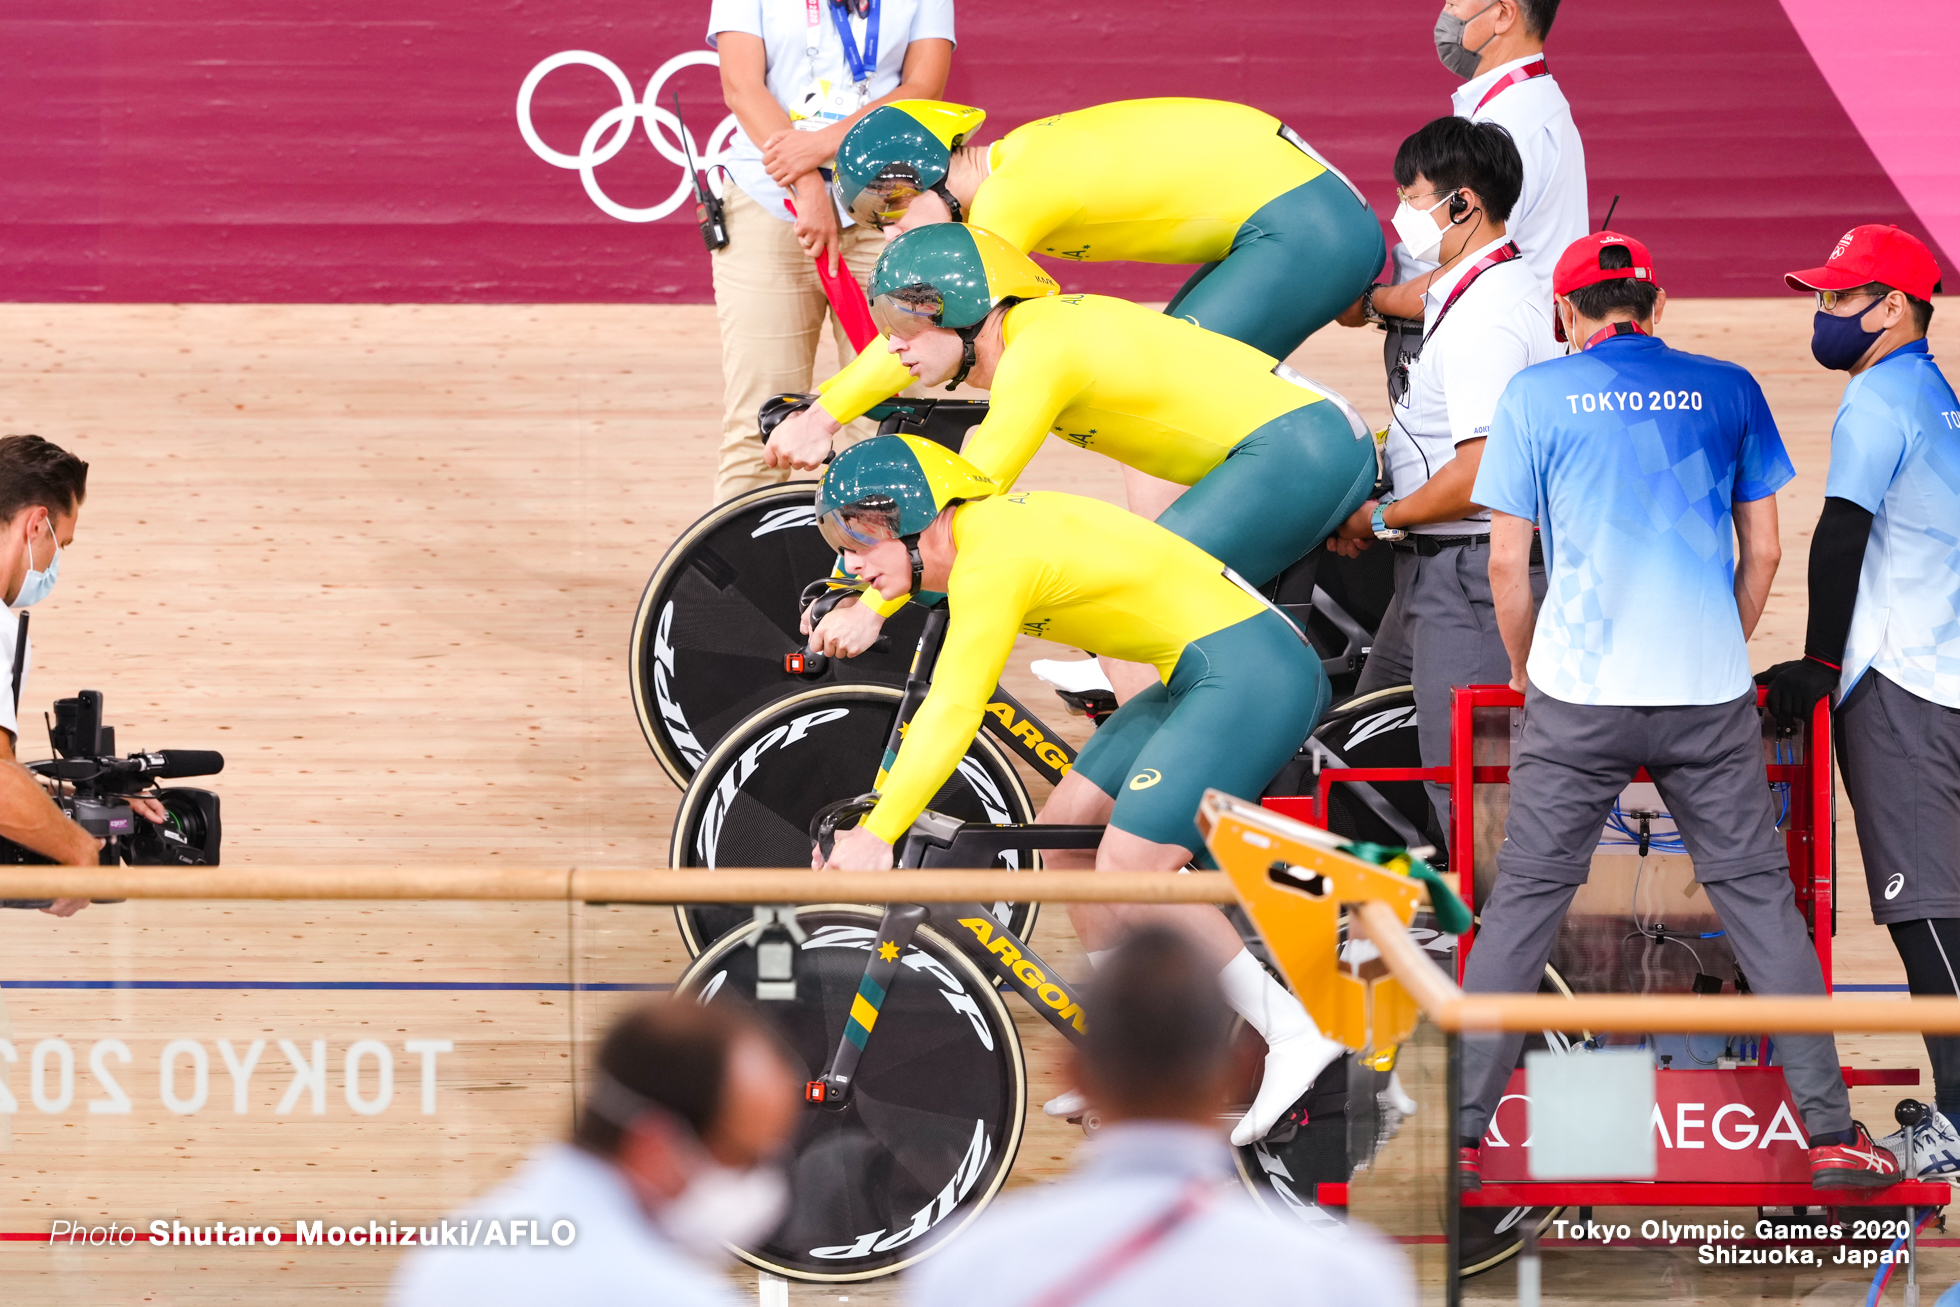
1497 328
1895 452
787 33
1551 210
1629 457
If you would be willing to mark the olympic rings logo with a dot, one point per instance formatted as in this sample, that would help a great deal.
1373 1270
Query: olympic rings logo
662 128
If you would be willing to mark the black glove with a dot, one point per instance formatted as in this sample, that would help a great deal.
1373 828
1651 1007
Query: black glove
1795 688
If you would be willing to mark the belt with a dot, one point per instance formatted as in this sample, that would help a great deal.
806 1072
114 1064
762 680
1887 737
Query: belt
1430 546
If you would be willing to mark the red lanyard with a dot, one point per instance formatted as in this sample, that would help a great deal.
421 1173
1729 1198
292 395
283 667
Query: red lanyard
1536 68
1502 254
1114 1260
1617 329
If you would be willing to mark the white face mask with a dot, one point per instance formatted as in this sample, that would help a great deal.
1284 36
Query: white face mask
1418 230
36 585
722 1206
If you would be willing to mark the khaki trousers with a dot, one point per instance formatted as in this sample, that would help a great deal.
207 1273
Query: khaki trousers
771 308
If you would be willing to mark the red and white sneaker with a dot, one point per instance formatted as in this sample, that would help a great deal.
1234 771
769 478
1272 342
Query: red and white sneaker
1860 1164
1469 1168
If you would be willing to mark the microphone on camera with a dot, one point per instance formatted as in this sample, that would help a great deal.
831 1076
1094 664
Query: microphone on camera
166 764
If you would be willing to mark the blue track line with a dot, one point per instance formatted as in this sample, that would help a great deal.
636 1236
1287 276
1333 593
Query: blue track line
518 985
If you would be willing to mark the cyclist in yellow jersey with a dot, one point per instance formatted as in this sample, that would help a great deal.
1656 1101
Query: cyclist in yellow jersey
1273 466
1285 242
1238 689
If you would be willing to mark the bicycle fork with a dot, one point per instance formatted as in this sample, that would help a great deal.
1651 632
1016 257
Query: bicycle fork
894 937
992 944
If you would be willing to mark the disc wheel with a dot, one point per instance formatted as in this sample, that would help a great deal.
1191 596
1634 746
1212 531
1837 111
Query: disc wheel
936 1110
751 801
721 610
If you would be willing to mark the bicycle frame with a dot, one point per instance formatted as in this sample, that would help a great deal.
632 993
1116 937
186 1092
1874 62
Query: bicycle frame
977 933
1008 720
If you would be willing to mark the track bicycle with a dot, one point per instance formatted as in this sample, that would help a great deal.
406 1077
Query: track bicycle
720 609
796 769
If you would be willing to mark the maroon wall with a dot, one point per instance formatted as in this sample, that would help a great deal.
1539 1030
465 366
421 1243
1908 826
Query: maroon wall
366 151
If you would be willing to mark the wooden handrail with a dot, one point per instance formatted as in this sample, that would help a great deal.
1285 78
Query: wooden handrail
611 884
1453 1010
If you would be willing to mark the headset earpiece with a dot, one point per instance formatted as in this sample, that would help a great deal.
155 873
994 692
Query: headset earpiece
1458 206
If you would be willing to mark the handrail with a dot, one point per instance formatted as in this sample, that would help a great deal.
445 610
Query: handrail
1453 1010
611 884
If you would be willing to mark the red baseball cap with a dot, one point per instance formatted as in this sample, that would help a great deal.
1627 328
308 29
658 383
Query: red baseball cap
1579 266
1876 252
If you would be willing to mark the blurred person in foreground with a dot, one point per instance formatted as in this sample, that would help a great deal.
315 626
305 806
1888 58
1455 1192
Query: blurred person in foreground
671 1161
1154 1213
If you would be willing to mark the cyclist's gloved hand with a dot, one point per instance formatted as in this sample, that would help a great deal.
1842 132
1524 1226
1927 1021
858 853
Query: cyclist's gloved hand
1795 687
1452 918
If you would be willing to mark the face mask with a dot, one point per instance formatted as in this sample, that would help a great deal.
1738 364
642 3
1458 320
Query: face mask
1837 342
1418 230
1449 43
36 586
721 1206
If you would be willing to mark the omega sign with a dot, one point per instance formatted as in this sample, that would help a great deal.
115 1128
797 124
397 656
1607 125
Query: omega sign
613 129
1736 1126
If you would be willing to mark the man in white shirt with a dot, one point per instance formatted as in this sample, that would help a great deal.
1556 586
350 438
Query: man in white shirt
671 1160
1154 1216
1499 45
41 490
1485 320
796 76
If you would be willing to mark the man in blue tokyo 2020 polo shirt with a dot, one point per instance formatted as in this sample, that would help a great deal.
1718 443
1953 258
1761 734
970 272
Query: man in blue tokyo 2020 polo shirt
1884 627
1652 477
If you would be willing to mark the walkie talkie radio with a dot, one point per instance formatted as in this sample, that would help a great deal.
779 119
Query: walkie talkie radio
707 205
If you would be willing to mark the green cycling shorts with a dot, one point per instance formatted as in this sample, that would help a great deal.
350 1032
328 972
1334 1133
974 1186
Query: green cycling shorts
1295 265
1239 704
1281 491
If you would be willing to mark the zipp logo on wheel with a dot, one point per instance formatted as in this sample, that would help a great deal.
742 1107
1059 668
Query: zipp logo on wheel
1143 780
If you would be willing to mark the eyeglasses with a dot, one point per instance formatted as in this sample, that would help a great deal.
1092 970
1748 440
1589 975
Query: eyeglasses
1411 199
1831 301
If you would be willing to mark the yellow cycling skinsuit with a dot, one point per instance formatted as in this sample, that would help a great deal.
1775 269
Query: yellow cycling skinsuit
1274 467
1285 242
1239 692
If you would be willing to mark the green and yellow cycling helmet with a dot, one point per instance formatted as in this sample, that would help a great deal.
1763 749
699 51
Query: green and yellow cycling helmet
891 488
898 151
949 275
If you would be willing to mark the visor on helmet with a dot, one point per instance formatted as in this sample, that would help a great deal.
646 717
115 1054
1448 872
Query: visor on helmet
884 199
904 313
857 527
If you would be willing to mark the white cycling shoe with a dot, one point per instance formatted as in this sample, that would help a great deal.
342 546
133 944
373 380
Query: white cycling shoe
1075 676
1070 1104
1935 1146
1291 1066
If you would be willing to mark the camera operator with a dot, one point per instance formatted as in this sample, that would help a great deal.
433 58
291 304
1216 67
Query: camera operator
41 492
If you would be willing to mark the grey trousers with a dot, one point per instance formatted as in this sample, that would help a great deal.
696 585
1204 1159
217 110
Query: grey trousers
1900 755
1440 630
1570 763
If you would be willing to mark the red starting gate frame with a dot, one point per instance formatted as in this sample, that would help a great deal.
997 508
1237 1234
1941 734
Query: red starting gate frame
1809 833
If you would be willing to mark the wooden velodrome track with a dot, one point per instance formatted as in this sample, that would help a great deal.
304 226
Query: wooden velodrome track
386 559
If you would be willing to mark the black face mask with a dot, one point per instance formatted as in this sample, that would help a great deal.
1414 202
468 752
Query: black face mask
1838 343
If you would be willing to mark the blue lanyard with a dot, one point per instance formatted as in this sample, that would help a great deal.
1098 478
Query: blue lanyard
862 63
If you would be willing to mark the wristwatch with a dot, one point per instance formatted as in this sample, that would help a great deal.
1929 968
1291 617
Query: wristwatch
1383 531
1368 310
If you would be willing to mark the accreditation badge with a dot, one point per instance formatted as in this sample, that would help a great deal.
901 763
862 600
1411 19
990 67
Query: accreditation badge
823 103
